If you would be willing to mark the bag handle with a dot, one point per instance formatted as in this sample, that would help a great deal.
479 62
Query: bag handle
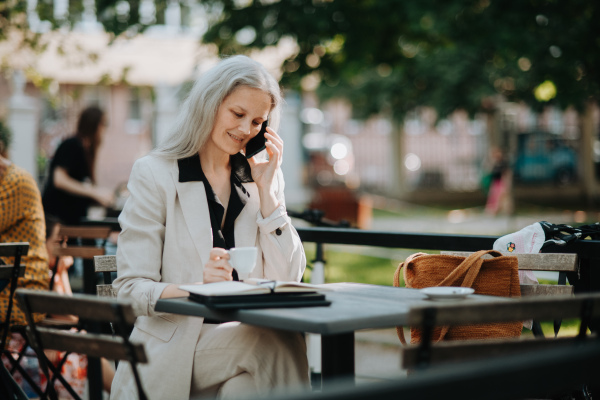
469 268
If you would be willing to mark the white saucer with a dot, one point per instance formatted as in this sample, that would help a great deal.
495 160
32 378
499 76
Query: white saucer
447 292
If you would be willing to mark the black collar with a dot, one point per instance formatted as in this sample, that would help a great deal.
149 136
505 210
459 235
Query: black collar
190 169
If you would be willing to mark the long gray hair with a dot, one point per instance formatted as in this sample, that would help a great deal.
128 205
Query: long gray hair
198 112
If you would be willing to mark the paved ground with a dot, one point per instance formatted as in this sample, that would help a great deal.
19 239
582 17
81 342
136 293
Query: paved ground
377 356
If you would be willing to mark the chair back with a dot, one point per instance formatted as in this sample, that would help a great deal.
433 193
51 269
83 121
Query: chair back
474 311
106 265
85 242
85 233
553 262
90 310
11 273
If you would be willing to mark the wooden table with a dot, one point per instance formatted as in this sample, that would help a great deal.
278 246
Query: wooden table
354 306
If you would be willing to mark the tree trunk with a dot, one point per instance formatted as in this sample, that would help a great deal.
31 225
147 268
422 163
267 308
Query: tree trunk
398 174
588 137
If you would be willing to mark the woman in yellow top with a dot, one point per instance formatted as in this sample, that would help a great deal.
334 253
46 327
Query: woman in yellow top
21 220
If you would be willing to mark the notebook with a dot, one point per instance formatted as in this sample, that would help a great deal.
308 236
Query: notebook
256 293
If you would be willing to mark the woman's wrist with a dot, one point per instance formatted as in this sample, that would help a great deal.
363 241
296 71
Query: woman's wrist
173 291
268 203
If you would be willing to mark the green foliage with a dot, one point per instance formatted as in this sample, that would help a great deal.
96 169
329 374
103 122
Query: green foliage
393 55
5 137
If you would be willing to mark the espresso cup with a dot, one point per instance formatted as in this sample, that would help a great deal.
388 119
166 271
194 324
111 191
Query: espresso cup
243 259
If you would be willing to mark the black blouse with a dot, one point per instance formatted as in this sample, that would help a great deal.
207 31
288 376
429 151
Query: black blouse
190 170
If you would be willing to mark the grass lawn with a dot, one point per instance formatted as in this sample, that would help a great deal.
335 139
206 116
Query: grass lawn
342 266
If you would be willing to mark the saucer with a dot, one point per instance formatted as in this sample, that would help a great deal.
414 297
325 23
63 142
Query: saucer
447 292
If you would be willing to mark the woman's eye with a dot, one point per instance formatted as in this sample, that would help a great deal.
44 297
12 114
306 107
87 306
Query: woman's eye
256 123
238 115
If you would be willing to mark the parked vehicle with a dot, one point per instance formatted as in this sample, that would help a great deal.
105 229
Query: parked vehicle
542 157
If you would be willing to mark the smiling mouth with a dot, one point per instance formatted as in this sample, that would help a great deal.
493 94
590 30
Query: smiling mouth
236 138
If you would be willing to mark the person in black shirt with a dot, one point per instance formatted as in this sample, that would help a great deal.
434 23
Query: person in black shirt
70 187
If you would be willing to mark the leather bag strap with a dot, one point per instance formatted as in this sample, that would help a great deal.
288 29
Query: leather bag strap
469 268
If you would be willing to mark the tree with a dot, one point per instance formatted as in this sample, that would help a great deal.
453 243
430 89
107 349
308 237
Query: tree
453 54
395 55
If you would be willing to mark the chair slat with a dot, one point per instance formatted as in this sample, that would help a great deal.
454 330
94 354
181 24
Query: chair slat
106 291
87 252
105 263
9 249
85 232
87 307
546 290
535 261
94 345
90 310
6 271
504 310
470 350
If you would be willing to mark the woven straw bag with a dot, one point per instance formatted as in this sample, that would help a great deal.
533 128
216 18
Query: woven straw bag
497 276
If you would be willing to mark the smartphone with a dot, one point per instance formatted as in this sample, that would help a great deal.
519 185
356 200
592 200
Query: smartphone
257 143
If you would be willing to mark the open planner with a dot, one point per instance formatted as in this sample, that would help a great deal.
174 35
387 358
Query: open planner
256 293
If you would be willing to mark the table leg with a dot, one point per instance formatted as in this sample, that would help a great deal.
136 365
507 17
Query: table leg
337 357
89 277
94 370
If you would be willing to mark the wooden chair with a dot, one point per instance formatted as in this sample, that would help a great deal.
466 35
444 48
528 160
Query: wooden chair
11 274
90 242
106 265
91 309
470 311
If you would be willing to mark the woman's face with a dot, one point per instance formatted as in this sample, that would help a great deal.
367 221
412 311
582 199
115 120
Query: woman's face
53 241
239 119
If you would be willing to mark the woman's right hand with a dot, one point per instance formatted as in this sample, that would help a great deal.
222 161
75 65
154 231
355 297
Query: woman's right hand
105 197
218 269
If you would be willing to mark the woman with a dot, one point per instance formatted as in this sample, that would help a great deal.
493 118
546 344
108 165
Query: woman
498 198
190 200
21 220
71 188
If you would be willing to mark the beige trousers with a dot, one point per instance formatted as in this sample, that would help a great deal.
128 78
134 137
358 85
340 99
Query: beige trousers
234 360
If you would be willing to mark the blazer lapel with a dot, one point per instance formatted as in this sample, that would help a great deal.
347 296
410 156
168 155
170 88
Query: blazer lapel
245 223
194 206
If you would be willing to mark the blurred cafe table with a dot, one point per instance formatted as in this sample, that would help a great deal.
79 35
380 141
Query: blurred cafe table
112 222
354 306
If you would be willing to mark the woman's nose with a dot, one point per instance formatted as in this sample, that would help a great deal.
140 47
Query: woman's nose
246 126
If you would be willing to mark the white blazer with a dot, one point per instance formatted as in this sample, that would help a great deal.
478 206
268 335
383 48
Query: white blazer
166 238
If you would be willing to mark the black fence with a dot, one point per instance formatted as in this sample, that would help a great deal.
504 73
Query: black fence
585 280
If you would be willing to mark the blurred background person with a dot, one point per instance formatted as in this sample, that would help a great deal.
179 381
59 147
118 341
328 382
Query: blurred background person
21 220
70 188
59 266
498 197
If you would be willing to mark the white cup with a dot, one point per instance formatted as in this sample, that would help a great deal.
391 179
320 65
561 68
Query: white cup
243 259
